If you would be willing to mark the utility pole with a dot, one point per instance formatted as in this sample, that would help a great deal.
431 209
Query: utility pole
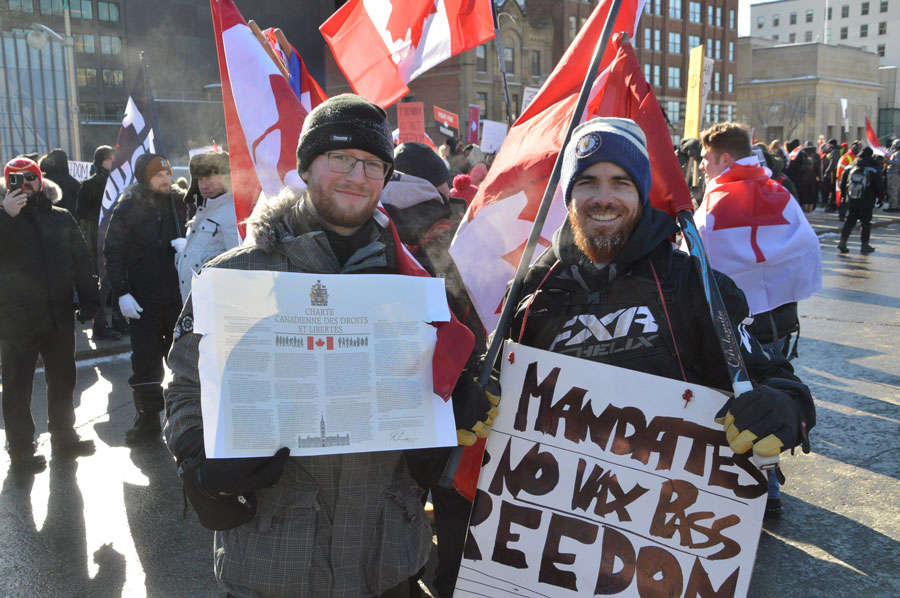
73 85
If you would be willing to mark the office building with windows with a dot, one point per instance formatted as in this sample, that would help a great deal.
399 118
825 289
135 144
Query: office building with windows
667 31
864 24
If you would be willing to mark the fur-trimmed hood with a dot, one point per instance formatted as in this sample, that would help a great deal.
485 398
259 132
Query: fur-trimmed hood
50 190
270 218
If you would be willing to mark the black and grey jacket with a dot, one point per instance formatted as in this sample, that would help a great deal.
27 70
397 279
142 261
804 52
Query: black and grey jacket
333 526
43 257
140 259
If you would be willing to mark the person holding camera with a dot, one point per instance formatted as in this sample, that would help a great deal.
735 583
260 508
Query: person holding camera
43 256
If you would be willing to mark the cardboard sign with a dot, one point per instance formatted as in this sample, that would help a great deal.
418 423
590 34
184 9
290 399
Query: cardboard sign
604 481
411 121
80 170
527 96
472 130
700 73
492 136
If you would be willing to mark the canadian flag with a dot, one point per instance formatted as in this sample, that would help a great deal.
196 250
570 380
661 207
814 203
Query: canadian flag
263 116
754 232
492 237
381 45
873 140
319 342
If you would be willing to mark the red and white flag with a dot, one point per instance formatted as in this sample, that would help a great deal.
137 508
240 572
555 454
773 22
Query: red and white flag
320 342
873 140
263 116
492 237
754 232
381 45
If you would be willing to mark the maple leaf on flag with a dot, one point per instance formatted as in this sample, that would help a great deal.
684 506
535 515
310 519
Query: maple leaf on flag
403 13
748 209
320 343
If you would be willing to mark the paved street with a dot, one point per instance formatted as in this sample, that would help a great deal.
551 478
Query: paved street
111 524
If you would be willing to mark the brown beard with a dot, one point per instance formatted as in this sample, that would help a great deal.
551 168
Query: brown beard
330 213
602 249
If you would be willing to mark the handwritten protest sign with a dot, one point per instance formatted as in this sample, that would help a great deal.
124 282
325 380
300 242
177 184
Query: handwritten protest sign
605 481
411 121
80 170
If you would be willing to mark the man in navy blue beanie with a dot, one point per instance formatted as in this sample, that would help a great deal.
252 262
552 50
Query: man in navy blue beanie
612 289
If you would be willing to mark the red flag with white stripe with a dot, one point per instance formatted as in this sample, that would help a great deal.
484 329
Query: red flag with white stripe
381 45
263 116
873 140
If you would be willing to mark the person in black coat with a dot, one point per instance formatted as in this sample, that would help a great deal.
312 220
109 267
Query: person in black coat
55 167
87 211
42 258
146 228
861 185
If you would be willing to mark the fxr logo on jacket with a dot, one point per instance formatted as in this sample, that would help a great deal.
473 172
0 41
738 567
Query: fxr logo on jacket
618 331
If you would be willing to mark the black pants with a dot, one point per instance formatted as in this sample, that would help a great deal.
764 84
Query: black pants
151 338
18 358
864 216
451 515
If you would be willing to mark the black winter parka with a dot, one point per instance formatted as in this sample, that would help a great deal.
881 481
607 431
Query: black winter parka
140 259
43 257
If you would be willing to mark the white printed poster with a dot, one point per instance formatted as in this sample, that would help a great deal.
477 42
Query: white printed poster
319 363
604 481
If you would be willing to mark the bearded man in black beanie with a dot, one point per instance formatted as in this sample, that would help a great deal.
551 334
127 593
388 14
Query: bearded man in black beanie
342 525
147 224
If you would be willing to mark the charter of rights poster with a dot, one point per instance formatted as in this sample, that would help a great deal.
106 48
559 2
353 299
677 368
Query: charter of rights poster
320 363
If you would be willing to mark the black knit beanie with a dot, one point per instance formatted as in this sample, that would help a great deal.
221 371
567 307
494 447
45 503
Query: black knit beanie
420 160
345 121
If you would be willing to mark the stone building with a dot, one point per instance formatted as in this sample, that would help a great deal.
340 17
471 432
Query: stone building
869 25
795 90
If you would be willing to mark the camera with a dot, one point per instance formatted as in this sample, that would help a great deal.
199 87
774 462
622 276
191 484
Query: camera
15 180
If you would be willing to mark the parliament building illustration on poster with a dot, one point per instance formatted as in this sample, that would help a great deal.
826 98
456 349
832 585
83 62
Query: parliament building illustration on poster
322 440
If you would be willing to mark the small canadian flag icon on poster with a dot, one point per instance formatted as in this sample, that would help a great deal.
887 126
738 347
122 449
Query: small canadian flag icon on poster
313 342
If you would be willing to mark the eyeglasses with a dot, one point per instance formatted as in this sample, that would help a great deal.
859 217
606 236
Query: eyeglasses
29 176
342 163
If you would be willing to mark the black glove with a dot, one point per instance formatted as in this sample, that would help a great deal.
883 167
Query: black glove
474 407
766 418
231 477
85 313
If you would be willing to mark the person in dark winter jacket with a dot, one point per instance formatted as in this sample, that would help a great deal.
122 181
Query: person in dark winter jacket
861 186
55 167
42 258
87 211
146 226
831 155
613 255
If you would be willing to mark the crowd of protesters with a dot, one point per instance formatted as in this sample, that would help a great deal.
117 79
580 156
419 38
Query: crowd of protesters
160 235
